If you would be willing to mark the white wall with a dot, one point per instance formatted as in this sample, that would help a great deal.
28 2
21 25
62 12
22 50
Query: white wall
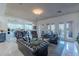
65 18
2 14
2 9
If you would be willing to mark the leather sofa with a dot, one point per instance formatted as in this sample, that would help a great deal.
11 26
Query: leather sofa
27 50
54 39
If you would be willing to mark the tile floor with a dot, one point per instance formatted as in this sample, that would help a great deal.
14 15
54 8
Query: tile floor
10 48
64 49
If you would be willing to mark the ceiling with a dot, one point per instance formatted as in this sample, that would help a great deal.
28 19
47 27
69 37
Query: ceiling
24 10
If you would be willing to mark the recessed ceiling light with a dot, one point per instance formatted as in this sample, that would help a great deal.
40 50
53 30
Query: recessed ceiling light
37 11
59 11
20 3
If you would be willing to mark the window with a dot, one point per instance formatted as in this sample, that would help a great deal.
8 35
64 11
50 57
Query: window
28 27
49 28
69 33
20 26
53 28
61 30
15 26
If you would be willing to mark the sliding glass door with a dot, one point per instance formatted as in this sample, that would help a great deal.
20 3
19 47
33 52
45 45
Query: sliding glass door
66 30
53 28
61 31
69 30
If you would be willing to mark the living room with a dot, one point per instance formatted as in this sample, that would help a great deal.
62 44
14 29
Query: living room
39 29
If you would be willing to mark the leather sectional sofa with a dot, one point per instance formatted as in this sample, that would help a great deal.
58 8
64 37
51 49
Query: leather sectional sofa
33 49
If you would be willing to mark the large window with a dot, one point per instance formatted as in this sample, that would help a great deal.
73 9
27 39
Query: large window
28 27
53 28
61 31
65 30
20 26
69 33
49 28
15 26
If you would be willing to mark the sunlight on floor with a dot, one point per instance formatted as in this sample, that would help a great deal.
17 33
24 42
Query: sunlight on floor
70 49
